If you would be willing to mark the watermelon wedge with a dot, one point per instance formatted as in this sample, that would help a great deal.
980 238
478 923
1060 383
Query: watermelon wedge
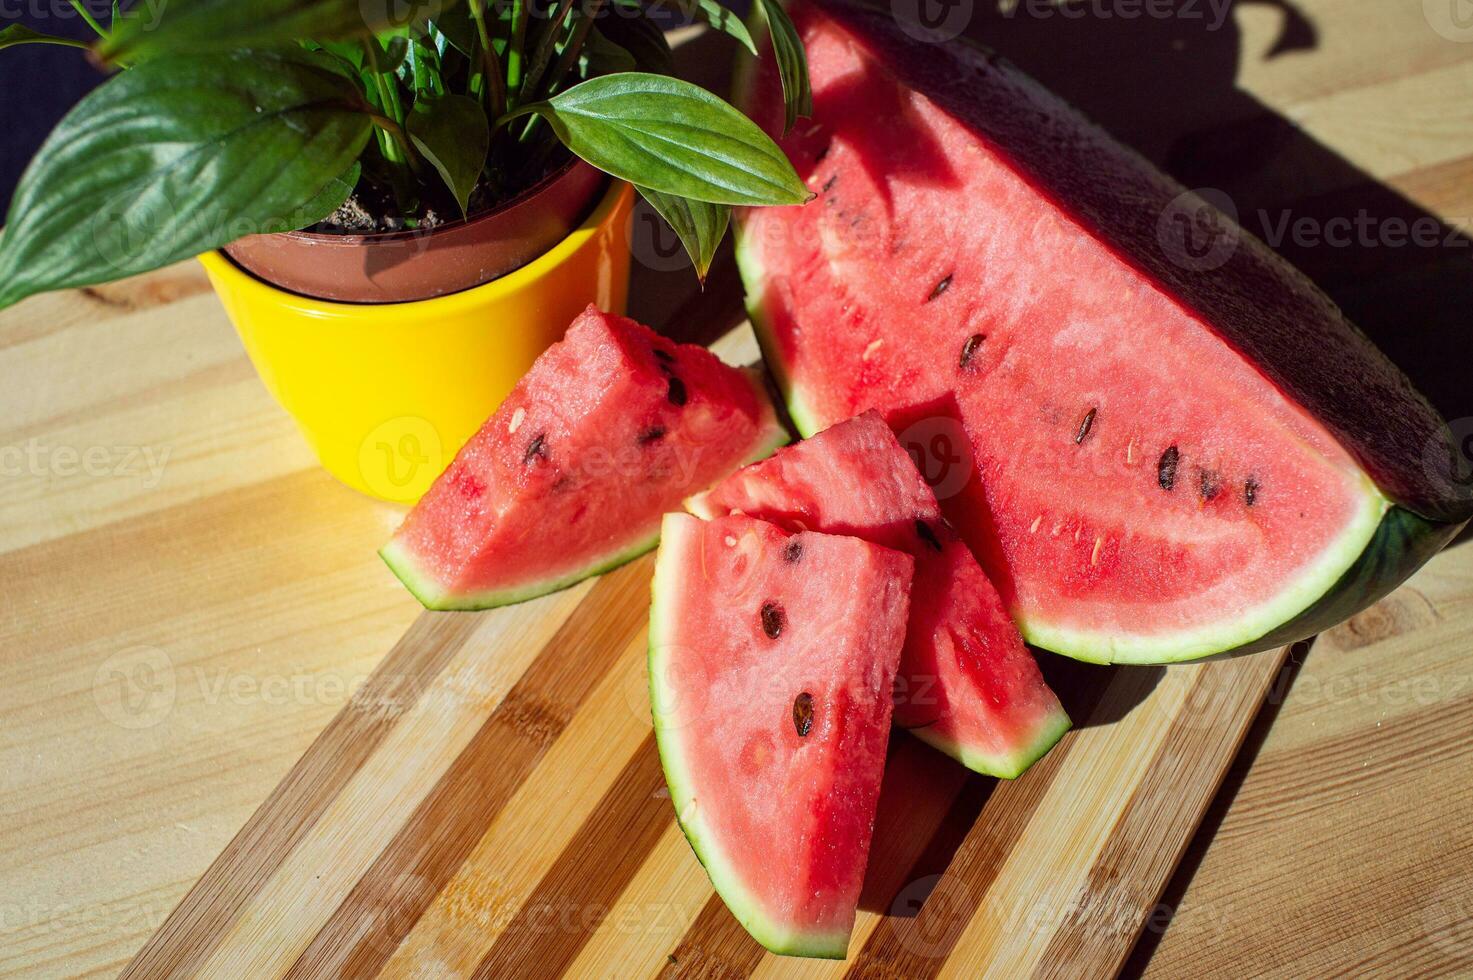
1178 445
771 663
966 683
612 426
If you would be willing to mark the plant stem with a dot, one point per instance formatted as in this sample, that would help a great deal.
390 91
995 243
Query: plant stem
520 10
565 61
400 139
81 8
543 52
496 91
389 99
574 47
62 41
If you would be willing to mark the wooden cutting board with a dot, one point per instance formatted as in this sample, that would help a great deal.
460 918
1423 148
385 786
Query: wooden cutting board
490 803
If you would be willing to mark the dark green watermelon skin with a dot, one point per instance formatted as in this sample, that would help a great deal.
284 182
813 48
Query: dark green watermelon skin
1263 307
1256 300
1404 542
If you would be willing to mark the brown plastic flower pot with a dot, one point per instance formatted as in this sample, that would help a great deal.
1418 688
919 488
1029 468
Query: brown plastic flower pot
397 267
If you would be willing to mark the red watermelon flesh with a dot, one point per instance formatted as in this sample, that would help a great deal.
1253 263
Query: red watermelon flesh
966 683
1168 463
771 663
612 426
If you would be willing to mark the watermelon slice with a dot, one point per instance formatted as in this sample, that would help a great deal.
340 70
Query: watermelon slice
612 426
966 684
771 663
1175 452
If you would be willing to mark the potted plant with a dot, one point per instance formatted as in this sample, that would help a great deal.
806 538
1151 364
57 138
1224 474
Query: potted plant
399 214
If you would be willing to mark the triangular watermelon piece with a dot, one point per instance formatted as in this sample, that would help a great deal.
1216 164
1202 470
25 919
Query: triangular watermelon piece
771 662
967 684
1180 446
612 426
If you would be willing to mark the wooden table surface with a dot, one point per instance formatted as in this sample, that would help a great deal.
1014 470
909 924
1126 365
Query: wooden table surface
186 600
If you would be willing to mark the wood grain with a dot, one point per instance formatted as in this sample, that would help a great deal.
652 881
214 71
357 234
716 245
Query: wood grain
184 643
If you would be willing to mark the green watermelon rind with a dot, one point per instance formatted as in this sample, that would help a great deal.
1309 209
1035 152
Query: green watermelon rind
754 281
1008 765
1378 551
742 904
771 437
432 596
1246 627
1404 541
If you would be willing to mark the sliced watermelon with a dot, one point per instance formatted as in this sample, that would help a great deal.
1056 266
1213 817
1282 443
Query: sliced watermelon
771 663
612 426
966 684
1175 453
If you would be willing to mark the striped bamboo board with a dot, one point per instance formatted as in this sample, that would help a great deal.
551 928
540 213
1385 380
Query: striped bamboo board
490 804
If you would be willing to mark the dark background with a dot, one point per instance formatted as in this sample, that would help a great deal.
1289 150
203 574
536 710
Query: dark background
40 82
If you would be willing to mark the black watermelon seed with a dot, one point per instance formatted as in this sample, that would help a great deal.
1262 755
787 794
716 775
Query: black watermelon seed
536 449
828 185
773 620
927 535
941 287
793 551
653 434
1211 483
970 348
1166 468
665 356
803 714
1250 491
676 394
1085 425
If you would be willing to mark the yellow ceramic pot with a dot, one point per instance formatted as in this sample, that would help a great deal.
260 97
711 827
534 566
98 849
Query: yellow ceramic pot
387 394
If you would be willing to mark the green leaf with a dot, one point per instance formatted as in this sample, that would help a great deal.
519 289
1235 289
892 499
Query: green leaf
792 63
349 52
175 157
395 50
720 18
453 135
458 28
671 136
600 56
196 26
332 195
423 70
699 225
643 39
21 34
